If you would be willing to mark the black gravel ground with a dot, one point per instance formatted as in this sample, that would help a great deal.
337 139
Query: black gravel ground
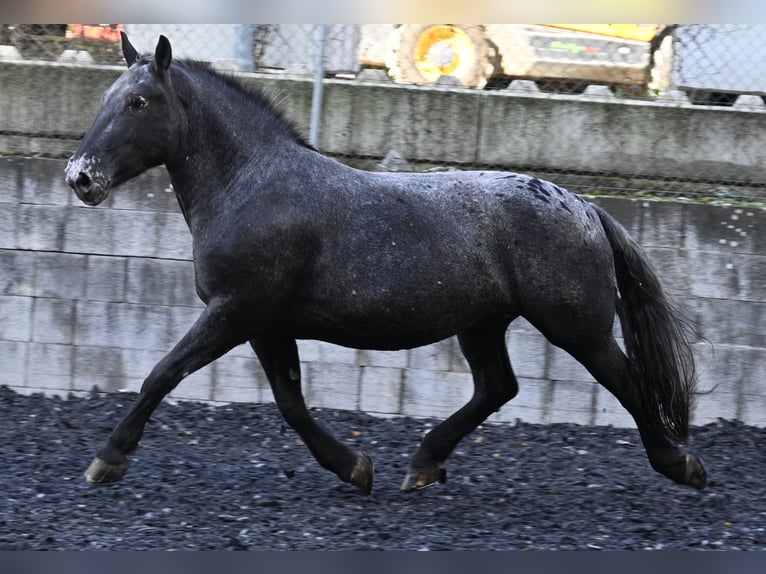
233 478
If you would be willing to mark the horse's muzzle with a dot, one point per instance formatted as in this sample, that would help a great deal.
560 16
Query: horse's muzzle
90 185
85 189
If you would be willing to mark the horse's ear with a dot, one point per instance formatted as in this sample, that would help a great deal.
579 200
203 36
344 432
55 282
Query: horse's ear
128 51
163 55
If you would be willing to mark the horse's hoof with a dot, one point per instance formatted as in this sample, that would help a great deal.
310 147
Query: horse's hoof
362 475
696 476
101 472
422 477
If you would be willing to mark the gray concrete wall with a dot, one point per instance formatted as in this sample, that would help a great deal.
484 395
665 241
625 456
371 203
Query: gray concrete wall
95 297
46 108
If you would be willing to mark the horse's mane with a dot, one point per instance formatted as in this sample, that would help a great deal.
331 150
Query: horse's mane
269 102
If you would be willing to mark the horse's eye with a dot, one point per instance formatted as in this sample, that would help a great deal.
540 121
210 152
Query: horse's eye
135 103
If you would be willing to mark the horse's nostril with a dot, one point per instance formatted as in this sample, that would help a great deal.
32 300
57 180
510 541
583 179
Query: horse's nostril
83 181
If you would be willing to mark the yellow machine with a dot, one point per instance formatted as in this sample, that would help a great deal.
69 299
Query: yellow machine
611 54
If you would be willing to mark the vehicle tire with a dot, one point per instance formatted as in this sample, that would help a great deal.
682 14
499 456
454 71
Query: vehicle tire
421 54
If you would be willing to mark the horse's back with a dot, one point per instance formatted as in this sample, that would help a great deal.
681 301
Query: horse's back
501 218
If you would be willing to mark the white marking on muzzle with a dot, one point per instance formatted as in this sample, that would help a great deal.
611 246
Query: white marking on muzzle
84 164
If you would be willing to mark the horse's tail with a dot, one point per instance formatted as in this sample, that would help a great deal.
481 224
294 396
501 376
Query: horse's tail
657 336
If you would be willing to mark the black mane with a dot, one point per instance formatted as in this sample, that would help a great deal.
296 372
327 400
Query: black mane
267 104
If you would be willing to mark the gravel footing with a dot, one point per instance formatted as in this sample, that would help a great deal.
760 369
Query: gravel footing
232 477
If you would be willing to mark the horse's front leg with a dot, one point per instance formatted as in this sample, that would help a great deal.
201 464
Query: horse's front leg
211 336
279 358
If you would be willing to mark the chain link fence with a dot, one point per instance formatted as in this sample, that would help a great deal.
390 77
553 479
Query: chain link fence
715 66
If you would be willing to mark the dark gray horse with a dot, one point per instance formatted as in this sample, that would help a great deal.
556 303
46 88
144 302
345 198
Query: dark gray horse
289 244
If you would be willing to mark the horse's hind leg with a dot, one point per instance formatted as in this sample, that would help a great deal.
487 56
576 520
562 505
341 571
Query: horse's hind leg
279 359
494 384
609 366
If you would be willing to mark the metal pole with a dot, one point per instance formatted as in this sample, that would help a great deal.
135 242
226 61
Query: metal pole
316 98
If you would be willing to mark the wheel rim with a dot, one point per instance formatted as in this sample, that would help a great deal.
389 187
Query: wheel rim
443 51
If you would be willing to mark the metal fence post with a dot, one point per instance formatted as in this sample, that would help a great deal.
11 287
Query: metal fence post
316 98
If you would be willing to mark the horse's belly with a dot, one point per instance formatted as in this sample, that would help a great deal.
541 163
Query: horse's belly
383 338
395 324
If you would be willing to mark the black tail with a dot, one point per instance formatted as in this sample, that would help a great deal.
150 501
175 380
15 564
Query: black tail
657 336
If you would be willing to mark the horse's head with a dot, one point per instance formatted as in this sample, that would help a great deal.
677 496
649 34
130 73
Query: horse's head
138 126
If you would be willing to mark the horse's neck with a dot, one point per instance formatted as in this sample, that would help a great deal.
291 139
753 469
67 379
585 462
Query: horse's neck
211 160
198 186
207 159
222 137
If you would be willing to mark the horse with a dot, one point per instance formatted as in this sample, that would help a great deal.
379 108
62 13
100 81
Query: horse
290 244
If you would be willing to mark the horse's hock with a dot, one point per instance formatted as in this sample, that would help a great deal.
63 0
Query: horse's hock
87 301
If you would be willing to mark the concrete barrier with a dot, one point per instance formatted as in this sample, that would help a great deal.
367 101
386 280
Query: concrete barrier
94 297
46 108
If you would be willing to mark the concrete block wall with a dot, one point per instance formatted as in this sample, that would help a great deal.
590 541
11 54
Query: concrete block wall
94 297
